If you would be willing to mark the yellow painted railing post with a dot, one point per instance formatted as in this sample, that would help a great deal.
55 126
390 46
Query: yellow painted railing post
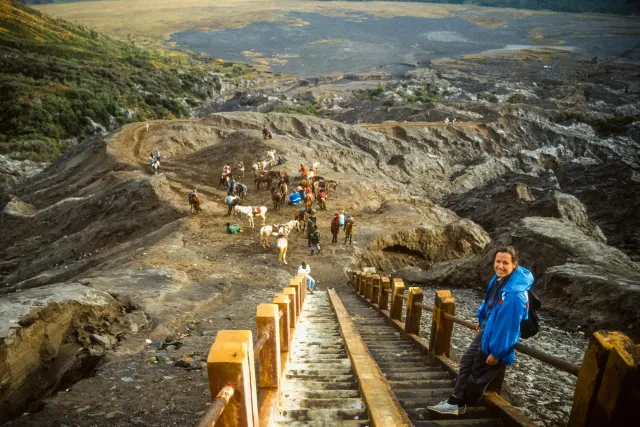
230 363
358 281
267 320
385 286
296 283
375 294
608 389
363 284
414 312
291 292
396 301
369 288
441 328
285 321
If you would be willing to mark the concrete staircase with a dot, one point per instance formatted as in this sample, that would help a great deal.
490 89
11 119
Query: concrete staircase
416 383
319 388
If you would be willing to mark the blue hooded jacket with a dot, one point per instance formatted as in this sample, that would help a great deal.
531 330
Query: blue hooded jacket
502 330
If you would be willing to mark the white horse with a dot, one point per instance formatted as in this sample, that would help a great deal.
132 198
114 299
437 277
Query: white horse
251 212
282 244
260 166
289 226
266 232
272 157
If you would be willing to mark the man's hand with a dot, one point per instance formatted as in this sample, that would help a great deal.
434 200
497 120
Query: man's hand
478 327
491 360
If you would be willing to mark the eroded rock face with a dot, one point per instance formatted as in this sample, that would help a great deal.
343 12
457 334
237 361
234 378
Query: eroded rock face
440 236
48 335
505 200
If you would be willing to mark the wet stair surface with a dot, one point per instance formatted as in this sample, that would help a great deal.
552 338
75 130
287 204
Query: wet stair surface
319 388
415 381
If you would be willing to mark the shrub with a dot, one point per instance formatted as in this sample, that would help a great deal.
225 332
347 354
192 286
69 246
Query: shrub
517 98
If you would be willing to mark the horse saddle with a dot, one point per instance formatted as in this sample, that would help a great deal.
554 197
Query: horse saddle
256 211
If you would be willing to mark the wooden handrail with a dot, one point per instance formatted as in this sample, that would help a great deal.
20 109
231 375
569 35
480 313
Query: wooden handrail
217 407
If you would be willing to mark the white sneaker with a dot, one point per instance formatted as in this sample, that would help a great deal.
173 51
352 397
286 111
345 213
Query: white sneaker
447 409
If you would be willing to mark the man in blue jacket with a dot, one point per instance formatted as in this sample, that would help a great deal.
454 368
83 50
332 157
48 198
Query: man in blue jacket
505 305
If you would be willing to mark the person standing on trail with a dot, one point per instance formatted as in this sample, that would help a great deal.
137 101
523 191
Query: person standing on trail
241 169
151 160
341 216
505 305
157 155
231 186
335 228
303 170
315 240
286 177
146 125
231 202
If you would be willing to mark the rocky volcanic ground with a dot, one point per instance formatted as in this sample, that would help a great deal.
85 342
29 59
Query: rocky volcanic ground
99 255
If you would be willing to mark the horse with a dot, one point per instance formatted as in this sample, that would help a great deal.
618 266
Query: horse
348 230
251 212
308 202
259 167
274 174
301 217
265 232
194 202
275 198
331 185
282 245
272 157
290 226
263 178
224 180
241 190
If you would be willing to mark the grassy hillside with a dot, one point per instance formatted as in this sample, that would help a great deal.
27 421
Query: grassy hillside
57 78
595 6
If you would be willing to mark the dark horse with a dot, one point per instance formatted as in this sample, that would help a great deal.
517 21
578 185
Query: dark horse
194 202
275 198
263 178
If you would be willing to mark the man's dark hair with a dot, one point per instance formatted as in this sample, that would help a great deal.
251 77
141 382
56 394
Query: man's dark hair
508 250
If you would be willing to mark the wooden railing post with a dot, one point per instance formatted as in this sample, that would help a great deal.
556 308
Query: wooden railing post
267 320
291 292
414 312
375 293
369 289
296 283
441 328
385 286
363 284
358 281
230 363
285 321
396 303
608 389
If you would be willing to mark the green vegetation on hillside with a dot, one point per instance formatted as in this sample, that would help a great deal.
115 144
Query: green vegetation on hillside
57 78
594 6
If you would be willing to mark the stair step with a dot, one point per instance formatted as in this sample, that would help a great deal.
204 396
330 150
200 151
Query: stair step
472 413
418 384
335 403
320 394
457 422
399 376
337 416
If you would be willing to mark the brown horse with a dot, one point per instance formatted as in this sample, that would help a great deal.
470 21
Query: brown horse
194 202
274 174
308 202
275 198
263 178
224 180
301 217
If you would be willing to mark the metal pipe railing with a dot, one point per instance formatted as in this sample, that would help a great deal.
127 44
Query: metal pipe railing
552 360
258 345
425 306
217 407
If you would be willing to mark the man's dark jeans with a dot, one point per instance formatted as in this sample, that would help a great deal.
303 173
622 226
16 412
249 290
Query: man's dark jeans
474 375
